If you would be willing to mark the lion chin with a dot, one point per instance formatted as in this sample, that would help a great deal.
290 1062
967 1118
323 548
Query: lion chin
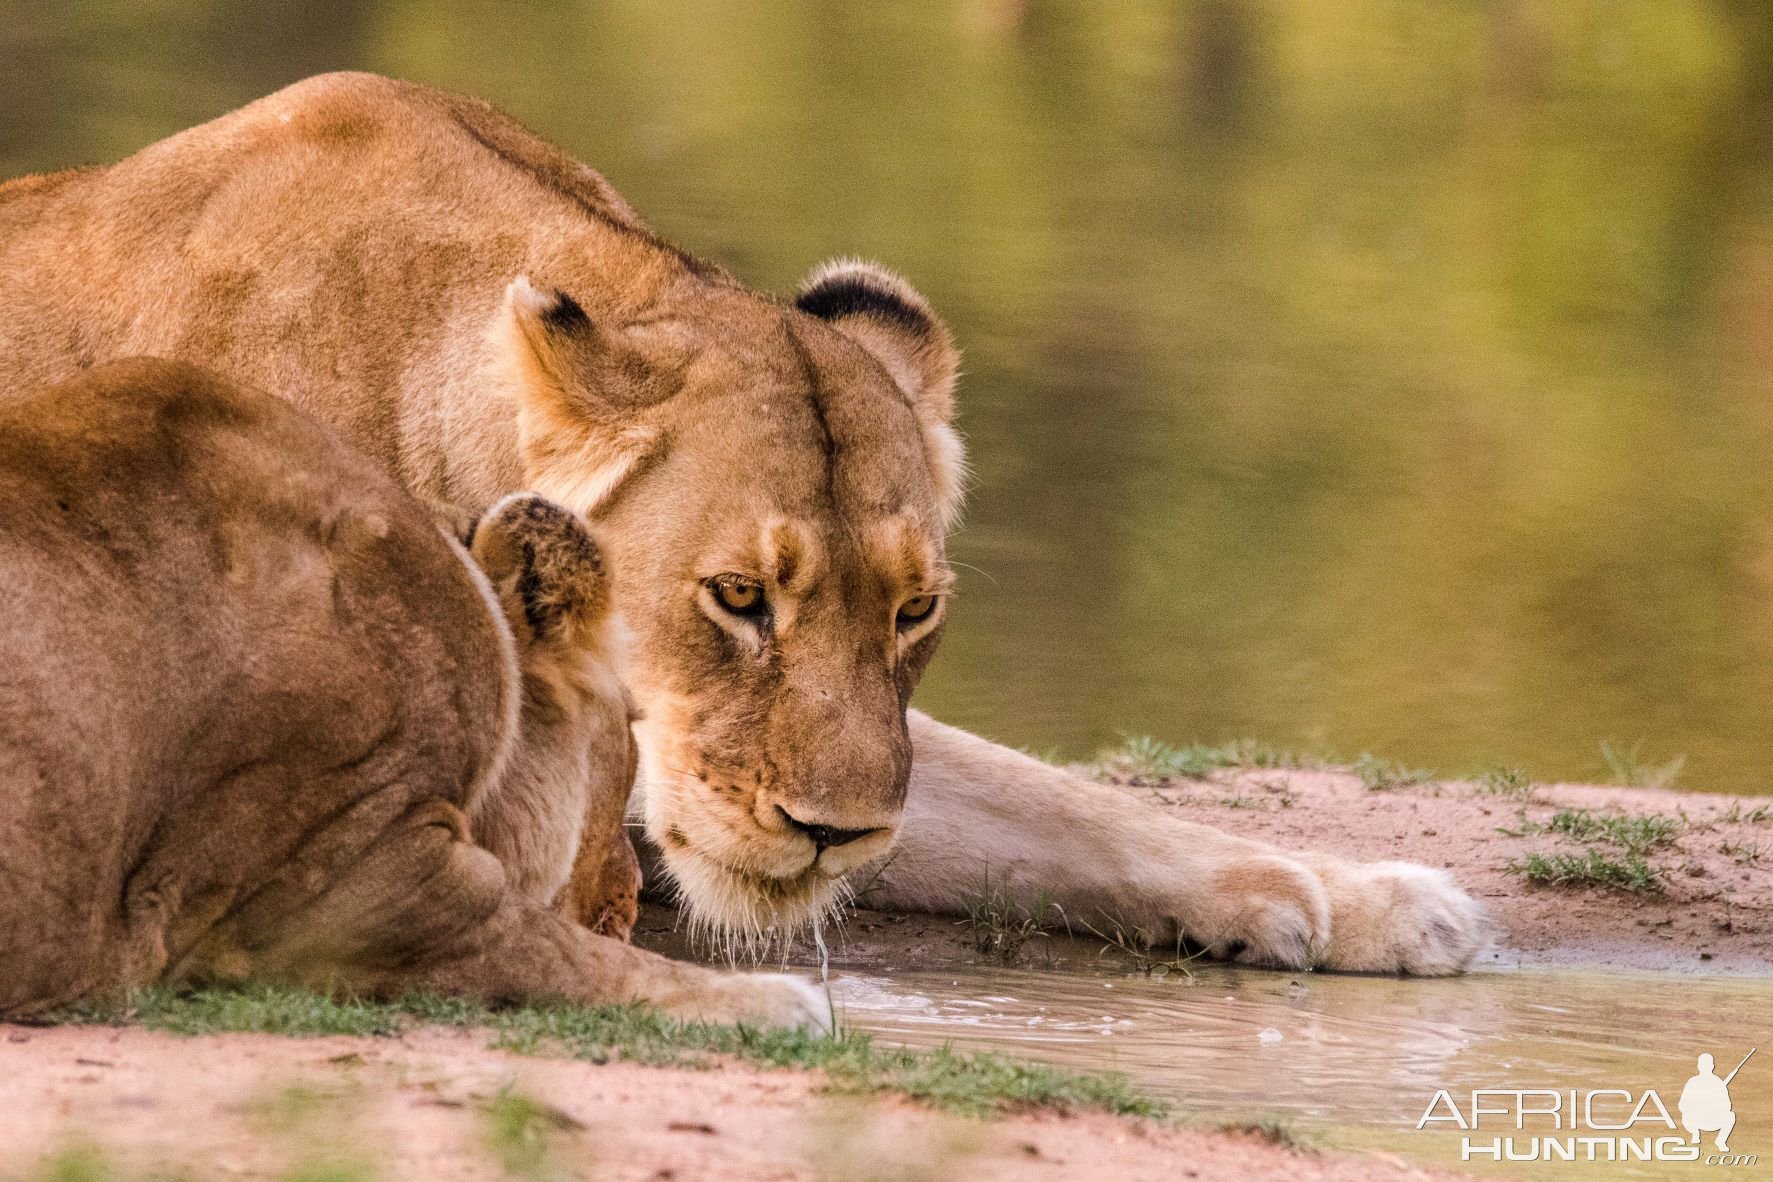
747 913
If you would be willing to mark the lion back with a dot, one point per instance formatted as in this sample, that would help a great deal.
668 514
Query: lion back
220 629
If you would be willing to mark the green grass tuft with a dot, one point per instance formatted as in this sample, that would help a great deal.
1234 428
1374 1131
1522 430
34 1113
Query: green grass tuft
1001 926
972 1084
80 1164
85 1164
330 1171
1638 833
1631 874
1142 755
1627 766
1274 1130
1743 853
255 1010
1378 774
520 1132
1506 781
1147 958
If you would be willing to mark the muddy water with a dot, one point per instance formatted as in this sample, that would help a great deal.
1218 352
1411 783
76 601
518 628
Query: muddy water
1356 1062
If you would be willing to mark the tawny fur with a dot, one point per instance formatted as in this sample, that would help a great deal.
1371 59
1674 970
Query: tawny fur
256 709
481 313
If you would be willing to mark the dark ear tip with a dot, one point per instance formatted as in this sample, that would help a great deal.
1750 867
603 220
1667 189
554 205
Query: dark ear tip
563 314
861 289
548 528
561 569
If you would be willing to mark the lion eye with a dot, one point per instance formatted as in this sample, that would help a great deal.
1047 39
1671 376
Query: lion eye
741 599
916 610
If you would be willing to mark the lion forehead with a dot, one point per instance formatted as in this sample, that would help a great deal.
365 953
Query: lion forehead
816 448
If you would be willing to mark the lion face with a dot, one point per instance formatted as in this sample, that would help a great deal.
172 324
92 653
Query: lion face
775 482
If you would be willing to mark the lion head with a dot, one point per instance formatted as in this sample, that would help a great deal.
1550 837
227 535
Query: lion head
775 480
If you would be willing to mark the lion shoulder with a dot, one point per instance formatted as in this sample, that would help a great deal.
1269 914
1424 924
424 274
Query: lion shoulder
243 544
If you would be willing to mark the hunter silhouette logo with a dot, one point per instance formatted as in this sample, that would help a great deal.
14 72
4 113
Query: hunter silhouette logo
1705 1102
1608 1124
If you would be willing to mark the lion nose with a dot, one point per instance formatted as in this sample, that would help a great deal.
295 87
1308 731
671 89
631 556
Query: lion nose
825 836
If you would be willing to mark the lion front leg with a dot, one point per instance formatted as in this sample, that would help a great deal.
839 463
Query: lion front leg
518 950
978 814
424 909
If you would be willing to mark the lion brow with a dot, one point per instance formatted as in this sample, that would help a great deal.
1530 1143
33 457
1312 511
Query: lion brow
899 545
791 552
940 581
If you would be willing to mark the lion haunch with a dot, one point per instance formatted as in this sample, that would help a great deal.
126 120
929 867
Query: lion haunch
261 718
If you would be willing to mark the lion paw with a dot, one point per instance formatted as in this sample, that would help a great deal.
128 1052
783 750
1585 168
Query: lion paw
1268 910
1398 917
765 1000
1314 911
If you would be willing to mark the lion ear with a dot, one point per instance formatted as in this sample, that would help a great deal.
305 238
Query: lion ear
549 572
577 387
887 317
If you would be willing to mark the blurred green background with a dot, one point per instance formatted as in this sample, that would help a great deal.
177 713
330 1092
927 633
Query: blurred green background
1370 374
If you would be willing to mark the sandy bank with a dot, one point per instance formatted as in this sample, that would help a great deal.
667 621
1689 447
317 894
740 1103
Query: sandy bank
1712 913
437 1104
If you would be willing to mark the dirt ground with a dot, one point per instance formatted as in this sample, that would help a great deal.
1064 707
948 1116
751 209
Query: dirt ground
438 1105
1713 915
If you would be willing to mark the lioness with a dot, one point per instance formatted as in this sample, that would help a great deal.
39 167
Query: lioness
481 313
253 702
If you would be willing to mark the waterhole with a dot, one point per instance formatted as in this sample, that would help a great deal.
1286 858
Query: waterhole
1356 1062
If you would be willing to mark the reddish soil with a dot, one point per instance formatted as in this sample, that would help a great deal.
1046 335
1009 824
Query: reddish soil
1713 914
426 1105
